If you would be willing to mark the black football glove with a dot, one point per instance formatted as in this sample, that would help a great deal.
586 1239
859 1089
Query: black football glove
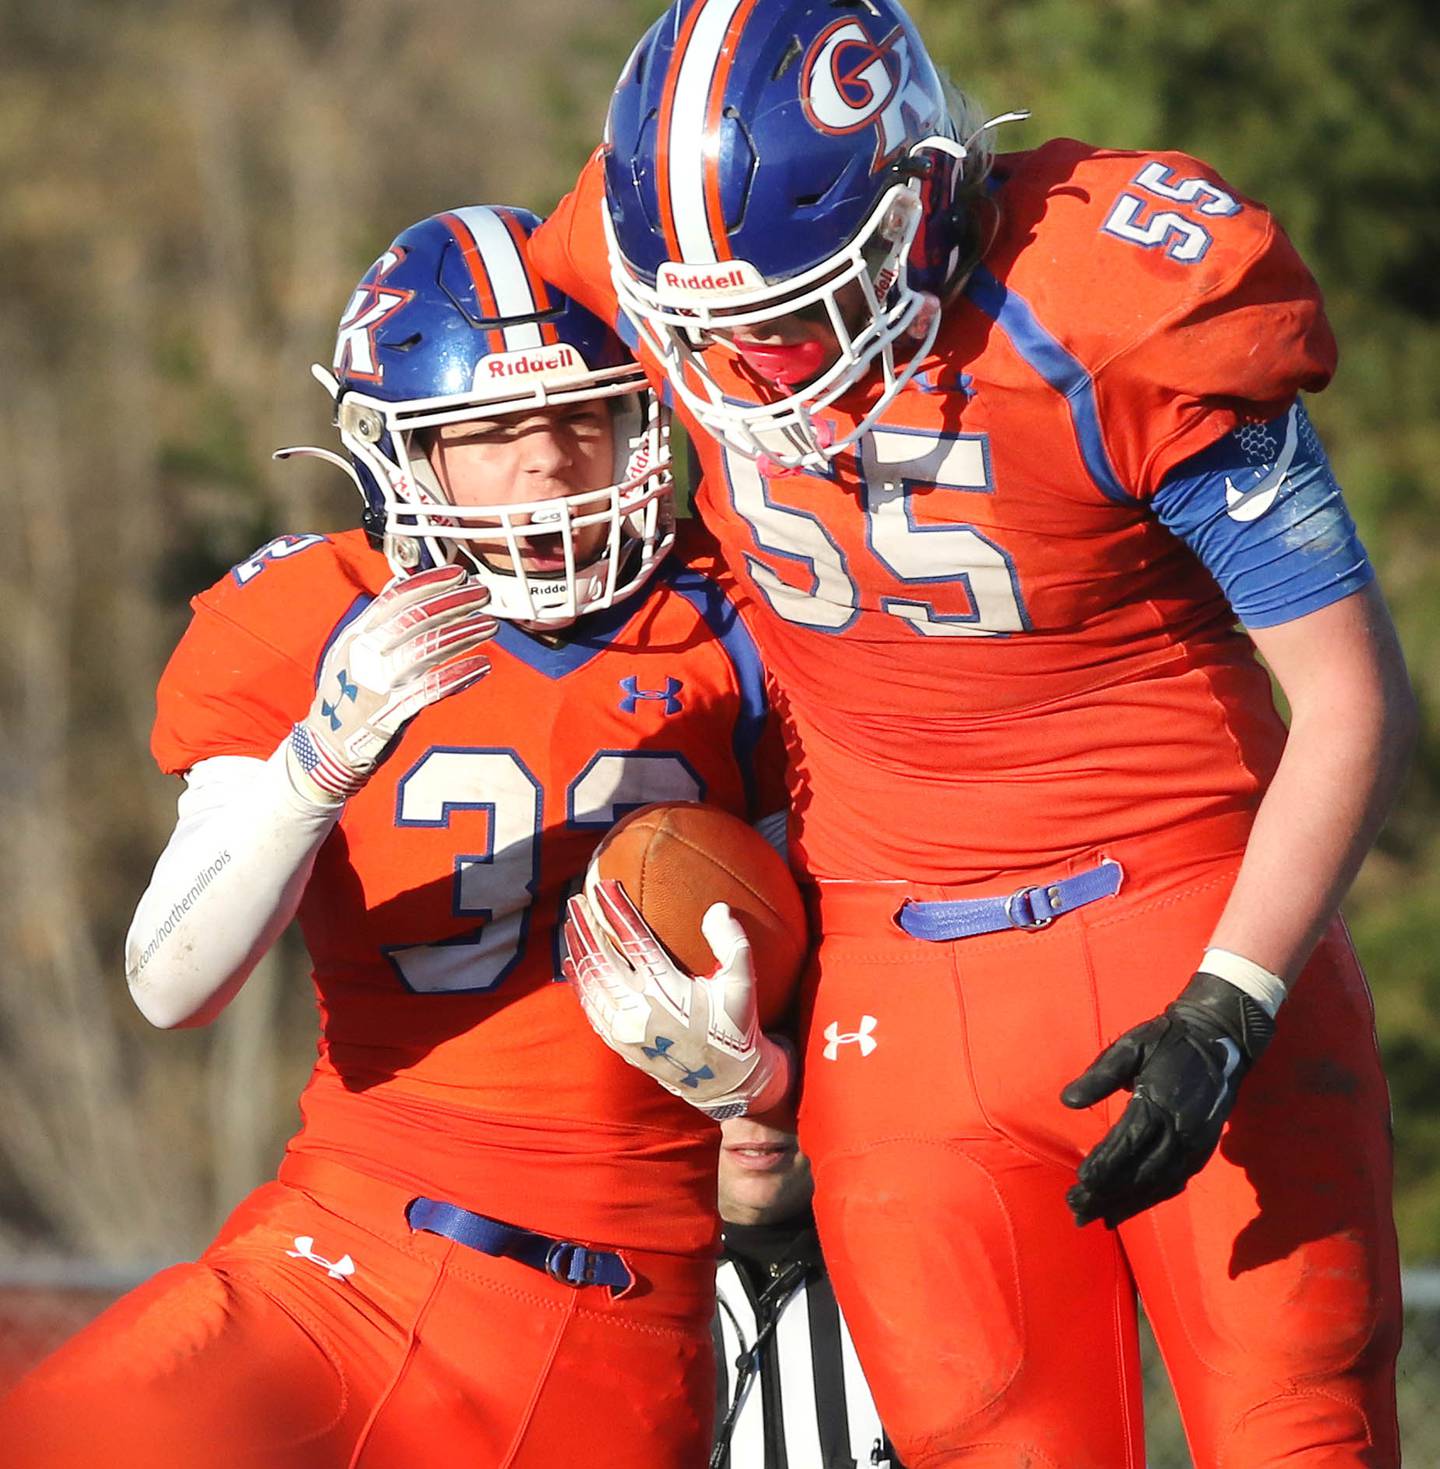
1184 1068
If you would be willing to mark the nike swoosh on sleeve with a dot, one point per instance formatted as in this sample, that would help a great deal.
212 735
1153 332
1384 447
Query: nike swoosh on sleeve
1251 504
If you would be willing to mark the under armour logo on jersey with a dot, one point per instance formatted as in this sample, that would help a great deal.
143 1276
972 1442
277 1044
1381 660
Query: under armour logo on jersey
630 687
369 308
348 690
864 1037
939 381
1249 502
305 1250
660 1051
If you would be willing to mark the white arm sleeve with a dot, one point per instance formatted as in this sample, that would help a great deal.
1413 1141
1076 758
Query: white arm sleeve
228 882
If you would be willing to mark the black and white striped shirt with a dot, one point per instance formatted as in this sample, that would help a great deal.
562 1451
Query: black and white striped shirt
782 1345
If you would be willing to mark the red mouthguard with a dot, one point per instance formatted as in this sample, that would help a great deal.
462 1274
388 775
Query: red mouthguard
783 363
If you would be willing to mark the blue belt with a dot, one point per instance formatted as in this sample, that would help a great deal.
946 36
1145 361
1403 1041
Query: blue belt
1025 908
562 1260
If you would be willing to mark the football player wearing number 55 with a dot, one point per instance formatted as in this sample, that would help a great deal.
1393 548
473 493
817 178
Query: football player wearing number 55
491 1242
1003 448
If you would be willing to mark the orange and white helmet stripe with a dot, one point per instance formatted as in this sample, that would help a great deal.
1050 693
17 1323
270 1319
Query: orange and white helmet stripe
691 110
492 243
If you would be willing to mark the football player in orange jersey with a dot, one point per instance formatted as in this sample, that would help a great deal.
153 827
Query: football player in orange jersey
491 1242
1002 448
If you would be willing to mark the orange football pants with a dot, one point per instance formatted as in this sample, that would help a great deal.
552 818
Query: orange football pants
993 1331
425 1355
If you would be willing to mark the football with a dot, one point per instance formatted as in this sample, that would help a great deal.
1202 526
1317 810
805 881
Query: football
677 858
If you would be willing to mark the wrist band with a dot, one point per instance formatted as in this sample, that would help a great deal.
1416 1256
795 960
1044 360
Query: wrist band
335 783
1266 989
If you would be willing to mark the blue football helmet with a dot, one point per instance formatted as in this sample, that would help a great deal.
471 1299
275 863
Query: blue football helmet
769 157
452 324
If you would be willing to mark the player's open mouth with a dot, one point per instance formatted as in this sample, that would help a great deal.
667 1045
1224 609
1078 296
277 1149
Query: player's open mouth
543 558
543 554
760 1157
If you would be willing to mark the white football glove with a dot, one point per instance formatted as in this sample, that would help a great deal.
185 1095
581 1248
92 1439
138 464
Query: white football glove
409 648
698 1037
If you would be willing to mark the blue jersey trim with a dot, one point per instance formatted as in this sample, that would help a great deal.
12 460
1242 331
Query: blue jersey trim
350 614
1262 511
1062 371
596 631
723 620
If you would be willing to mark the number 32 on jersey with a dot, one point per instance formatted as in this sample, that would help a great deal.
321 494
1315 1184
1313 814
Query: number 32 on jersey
893 465
496 885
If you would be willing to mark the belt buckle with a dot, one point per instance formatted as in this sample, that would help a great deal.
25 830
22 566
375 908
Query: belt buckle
561 1260
1035 923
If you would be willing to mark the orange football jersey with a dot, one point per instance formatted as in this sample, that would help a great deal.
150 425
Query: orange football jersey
991 652
450 1059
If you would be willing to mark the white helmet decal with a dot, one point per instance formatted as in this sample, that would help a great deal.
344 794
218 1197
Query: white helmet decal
849 81
371 305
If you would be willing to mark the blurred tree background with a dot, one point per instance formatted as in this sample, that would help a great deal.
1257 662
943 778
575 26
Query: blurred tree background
191 190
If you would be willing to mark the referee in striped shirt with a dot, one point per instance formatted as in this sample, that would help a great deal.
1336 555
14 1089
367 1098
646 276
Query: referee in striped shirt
790 1393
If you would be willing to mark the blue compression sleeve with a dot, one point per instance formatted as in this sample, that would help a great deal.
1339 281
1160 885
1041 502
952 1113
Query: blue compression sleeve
1262 511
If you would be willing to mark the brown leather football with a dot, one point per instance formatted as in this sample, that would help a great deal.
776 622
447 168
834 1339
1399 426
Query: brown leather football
676 858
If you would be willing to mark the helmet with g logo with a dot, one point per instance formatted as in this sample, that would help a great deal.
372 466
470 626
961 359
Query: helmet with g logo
768 157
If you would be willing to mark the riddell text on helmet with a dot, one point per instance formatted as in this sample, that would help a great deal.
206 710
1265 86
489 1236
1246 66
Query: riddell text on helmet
739 275
549 361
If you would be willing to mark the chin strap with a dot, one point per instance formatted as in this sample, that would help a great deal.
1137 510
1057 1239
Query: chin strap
308 451
938 143
374 526
1019 115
